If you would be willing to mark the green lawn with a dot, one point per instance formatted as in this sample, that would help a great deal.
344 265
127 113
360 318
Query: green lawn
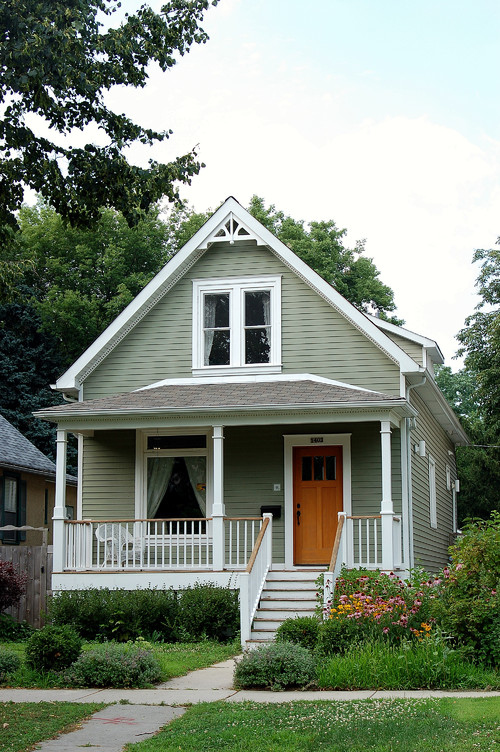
444 725
22 725
177 659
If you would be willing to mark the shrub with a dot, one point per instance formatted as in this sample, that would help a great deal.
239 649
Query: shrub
12 630
303 630
206 610
119 615
9 663
114 665
277 665
337 636
53 648
469 603
12 585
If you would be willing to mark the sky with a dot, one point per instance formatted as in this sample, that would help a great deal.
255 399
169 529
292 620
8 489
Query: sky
383 115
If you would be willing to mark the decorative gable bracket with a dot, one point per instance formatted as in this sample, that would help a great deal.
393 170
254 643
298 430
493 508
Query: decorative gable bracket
230 230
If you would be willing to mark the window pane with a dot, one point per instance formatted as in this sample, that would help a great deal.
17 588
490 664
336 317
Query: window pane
318 468
331 467
216 310
10 502
257 346
177 442
257 307
217 348
306 468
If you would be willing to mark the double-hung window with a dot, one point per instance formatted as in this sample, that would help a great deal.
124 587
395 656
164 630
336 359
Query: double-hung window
236 324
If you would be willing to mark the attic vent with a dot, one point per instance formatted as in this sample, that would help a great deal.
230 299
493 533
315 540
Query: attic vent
230 230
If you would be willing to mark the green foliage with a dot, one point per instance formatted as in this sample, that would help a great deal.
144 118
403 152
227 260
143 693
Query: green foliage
117 614
12 630
53 648
321 247
278 665
428 664
12 585
468 606
9 663
113 665
57 61
377 606
206 610
338 636
303 630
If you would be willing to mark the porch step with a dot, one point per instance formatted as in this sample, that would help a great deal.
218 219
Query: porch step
286 594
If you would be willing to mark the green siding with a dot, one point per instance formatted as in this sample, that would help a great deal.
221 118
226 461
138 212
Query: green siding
413 349
109 475
430 544
315 337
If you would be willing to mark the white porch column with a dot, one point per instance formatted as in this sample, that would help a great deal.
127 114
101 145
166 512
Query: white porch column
386 510
218 511
59 515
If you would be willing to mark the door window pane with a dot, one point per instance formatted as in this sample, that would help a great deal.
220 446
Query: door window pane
306 468
319 468
331 467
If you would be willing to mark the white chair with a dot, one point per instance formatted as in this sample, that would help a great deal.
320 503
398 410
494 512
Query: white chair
120 546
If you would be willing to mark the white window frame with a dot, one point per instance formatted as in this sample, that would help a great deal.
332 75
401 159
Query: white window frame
432 493
142 454
236 287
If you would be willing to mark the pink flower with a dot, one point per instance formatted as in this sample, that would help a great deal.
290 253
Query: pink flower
385 630
459 566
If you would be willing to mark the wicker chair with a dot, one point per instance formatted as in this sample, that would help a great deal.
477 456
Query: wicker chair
120 546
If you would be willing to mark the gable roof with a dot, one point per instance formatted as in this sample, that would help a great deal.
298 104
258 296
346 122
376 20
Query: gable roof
18 453
230 223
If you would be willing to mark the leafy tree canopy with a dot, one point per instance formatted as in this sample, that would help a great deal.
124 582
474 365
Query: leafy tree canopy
321 247
57 60
474 393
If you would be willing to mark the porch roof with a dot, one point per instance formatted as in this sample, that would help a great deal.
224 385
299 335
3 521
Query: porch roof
227 396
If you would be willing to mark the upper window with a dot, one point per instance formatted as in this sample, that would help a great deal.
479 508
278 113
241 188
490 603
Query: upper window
236 323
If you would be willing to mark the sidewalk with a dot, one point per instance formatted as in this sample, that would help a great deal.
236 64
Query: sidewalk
150 709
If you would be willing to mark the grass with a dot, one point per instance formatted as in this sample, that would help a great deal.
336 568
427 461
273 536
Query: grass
22 725
444 725
424 665
177 659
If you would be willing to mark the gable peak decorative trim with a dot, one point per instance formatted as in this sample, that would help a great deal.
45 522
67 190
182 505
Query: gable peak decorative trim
229 231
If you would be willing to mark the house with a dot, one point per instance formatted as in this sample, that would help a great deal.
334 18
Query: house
237 417
27 488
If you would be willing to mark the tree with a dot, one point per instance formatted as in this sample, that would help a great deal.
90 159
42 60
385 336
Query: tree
474 393
321 247
57 60
78 279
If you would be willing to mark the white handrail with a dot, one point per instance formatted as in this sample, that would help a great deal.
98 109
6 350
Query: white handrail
252 581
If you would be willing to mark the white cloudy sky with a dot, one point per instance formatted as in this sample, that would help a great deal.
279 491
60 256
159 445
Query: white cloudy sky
383 115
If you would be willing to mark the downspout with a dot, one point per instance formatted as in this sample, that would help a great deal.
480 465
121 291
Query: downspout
411 556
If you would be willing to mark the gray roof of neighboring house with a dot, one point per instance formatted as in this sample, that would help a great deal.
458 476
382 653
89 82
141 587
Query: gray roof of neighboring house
237 395
18 453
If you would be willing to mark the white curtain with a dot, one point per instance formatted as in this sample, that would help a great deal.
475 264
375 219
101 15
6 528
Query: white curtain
210 303
266 305
197 472
159 472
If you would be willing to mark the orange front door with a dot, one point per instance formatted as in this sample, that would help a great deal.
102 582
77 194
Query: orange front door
317 500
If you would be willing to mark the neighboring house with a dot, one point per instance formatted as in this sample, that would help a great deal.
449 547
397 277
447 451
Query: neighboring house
240 384
27 488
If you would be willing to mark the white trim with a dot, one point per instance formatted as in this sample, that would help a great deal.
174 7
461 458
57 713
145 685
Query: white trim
418 339
79 485
328 439
432 493
236 287
142 453
176 267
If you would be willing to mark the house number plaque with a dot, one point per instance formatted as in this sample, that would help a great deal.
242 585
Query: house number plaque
316 439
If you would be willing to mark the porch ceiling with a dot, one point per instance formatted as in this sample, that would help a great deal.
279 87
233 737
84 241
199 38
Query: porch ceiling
223 397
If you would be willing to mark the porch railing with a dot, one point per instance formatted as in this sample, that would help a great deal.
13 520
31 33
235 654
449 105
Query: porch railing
253 579
360 543
169 544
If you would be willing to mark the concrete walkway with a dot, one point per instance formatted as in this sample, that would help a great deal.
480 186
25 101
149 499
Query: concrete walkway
150 709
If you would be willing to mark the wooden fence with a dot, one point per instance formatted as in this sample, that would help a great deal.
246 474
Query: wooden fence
36 562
